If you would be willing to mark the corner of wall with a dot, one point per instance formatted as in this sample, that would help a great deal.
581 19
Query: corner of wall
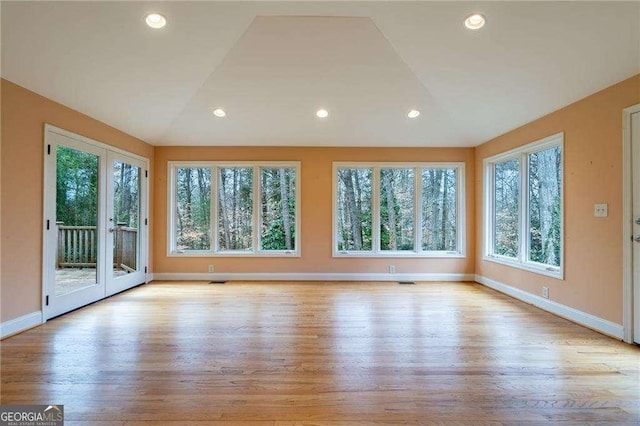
593 155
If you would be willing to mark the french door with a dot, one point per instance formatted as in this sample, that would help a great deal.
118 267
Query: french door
125 222
95 233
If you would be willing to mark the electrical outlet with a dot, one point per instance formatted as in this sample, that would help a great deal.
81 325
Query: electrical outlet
545 292
392 269
211 269
600 210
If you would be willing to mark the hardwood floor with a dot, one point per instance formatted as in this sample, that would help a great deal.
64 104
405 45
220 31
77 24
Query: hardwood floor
316 353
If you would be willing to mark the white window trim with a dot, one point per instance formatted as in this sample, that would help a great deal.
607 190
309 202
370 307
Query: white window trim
521 154
214 251
375 210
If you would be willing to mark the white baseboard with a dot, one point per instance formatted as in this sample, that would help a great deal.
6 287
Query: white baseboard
16 325
583 318
184 276
148 278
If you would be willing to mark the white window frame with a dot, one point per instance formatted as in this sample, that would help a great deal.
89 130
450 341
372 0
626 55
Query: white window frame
522 155
255 251
375 210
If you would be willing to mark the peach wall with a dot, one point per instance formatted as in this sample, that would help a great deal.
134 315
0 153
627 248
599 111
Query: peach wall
24 114
316 211
593 174
0 197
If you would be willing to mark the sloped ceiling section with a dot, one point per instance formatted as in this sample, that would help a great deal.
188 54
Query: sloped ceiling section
102 60
271 65
283 69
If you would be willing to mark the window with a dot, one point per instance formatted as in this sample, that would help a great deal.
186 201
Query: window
523 207
398 209
278 216
354 212
506 207
235 208
192 208
253 209
439 209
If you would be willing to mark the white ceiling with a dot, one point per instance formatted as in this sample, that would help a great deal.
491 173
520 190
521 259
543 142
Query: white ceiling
272 65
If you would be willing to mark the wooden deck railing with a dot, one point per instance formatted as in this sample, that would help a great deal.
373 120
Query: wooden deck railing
125 248
77 247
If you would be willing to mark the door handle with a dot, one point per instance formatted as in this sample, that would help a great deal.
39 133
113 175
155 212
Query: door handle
112 230
636 238
637 221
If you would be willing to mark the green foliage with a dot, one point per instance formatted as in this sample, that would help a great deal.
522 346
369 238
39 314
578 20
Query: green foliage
397 195
193 208
126 194
76 187
273 236
278 220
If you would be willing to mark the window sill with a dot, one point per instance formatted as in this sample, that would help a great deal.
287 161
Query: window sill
402 255
529 267
234 254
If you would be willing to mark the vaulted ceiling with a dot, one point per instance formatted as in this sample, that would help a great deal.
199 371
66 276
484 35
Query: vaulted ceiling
271 65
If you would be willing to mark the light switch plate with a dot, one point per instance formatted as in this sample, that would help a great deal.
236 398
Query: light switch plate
600 210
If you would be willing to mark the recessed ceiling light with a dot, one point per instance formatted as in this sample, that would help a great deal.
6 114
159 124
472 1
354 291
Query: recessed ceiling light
219 112
322 113
475 21
155 20
413 113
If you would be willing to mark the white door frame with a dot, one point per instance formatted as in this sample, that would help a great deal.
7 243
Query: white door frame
50 132
627 225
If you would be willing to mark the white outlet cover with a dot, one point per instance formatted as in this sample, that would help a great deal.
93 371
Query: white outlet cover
600 210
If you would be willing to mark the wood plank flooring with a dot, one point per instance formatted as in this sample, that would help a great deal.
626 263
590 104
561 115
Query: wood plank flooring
321 354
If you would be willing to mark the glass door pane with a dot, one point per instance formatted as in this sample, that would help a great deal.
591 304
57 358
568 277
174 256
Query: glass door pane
125 218
77 206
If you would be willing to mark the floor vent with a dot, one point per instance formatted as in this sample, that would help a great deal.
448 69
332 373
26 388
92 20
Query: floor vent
406 283
217 282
